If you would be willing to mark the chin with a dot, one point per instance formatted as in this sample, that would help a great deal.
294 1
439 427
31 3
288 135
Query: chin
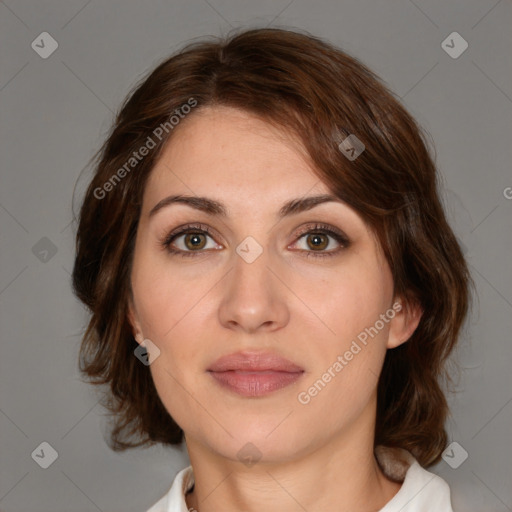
254 441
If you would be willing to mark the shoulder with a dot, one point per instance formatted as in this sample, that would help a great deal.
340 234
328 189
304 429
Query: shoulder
174 499
421 491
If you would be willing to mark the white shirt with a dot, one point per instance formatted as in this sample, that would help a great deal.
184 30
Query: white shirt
421 490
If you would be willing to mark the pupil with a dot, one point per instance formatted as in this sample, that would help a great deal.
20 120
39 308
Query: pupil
194 241
318 241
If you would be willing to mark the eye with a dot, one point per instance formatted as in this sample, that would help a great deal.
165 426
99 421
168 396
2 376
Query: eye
321 240
188 240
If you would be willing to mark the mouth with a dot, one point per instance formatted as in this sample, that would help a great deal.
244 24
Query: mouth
254 374
255 383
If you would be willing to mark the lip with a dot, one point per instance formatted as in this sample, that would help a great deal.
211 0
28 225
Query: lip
254 362
253 374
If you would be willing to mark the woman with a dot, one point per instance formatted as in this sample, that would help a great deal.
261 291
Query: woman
272 279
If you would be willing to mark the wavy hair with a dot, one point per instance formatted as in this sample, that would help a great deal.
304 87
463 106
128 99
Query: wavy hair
322 95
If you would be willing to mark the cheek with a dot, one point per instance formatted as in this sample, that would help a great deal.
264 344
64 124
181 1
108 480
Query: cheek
344 378
351 350
348 299
172 314
167 295
173 305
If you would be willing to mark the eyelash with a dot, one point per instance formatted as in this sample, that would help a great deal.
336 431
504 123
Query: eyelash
317 228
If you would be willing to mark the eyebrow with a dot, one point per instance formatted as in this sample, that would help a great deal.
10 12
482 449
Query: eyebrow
216 208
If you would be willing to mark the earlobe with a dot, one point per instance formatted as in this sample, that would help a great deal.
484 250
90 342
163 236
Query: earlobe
404 323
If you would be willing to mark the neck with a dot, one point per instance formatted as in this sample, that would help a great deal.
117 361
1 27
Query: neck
341 475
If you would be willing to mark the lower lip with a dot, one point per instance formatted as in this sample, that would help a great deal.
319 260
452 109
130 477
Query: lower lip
253 384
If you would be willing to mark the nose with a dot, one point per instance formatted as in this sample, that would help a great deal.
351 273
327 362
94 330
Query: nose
253 298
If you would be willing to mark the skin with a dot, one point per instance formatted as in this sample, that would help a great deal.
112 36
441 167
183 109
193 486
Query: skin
317 456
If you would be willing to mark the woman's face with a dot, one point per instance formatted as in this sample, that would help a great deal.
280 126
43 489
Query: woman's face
258 283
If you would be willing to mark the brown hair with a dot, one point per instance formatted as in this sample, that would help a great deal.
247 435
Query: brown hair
322 95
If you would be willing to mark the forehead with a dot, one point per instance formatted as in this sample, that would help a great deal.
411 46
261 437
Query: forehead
236 154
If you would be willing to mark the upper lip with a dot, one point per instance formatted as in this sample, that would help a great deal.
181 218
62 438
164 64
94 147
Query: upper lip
254 361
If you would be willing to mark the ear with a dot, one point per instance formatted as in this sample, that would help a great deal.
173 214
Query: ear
134 322
407 317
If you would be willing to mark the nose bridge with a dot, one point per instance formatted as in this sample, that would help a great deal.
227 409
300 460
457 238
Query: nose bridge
250 279
250 262
253 298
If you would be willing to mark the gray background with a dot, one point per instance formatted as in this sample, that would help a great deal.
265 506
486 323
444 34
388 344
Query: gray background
55 113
